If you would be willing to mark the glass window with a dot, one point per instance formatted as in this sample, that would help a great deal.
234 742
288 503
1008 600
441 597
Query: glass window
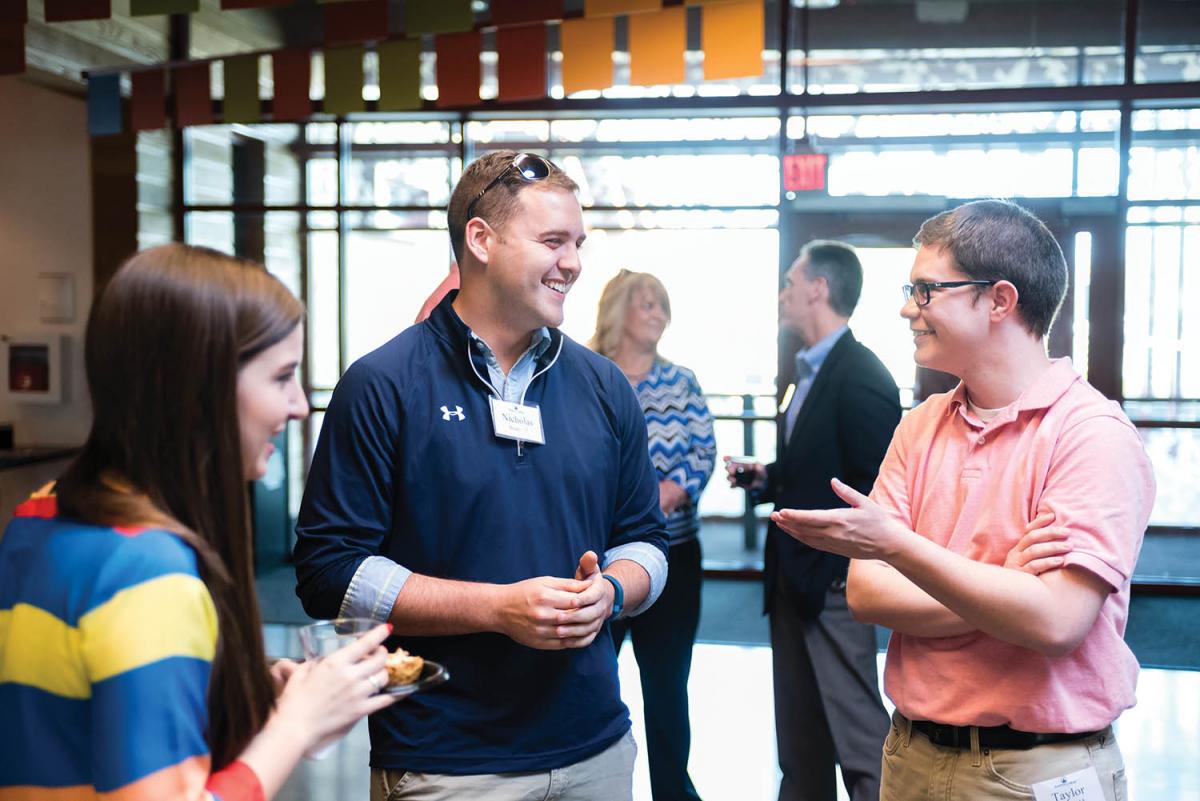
156 220
211 229
324 303
1162 341
958 172
876 320
251 164
1054 153
1168 42
723 286
389 274
1175 454
719 498
384 177
912 45
281 248
398 164
709 179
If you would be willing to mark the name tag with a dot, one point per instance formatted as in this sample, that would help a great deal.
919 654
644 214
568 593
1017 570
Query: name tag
1082 785
514 421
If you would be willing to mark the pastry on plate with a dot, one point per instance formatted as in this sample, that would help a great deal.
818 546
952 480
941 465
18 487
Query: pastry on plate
403 667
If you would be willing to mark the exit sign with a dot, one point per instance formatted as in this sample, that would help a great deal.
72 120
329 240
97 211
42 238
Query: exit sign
804 172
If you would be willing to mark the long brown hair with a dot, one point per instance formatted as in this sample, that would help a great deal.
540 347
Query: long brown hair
165 341
614 304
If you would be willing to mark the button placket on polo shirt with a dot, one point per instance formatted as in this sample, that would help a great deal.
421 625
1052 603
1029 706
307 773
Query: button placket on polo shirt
976 462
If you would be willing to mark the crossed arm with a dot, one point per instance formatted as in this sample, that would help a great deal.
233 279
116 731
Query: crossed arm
902 580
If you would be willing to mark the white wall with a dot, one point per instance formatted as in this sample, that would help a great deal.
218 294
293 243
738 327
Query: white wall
45 227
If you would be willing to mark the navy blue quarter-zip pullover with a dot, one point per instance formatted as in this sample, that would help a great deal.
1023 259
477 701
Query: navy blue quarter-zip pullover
407 467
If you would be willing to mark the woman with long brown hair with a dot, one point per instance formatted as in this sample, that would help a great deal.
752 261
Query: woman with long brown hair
131 654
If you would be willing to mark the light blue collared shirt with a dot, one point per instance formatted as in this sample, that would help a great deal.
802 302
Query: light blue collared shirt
512 386
377 582
808 364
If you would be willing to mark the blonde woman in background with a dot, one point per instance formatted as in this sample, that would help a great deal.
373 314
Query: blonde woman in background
634 312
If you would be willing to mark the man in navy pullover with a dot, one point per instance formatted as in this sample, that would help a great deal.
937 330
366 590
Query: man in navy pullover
483 483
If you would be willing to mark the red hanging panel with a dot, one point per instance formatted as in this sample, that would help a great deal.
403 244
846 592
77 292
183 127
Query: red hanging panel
193 95
148 101
458 68
73 10
292 70
515 12
522 62
351 23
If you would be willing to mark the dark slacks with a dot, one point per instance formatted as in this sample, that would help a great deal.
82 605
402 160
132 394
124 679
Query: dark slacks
827 705
662 643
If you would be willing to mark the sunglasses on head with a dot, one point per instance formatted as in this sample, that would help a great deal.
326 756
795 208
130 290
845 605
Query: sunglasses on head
528 167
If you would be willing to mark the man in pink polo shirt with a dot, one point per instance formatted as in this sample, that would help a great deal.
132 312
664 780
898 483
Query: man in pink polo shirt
1001 534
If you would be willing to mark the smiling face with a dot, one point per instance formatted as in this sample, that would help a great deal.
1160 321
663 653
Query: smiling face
268 395
533 259
951 330
646 318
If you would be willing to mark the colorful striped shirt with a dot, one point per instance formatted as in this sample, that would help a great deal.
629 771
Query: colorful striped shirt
106 642
679 428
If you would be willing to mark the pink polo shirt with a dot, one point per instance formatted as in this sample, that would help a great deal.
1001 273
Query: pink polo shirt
1063 448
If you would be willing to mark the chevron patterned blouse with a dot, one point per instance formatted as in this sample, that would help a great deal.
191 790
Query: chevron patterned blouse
680 431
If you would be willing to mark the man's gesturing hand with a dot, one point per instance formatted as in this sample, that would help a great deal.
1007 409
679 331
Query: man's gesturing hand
864 531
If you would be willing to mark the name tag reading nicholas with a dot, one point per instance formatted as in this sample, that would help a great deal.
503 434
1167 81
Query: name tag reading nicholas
514 421
1082 785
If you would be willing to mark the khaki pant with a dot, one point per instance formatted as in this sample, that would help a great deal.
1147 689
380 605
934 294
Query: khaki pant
915 769
608 776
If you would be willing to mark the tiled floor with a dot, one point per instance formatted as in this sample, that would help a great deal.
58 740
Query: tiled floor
733 752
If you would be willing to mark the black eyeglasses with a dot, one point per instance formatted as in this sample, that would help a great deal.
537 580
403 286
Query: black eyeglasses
529 167
923 290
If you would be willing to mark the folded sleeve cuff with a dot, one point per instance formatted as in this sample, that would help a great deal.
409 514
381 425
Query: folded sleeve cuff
1093 564
652 560
373 590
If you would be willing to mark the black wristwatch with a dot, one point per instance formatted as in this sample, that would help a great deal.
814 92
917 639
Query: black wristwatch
618 596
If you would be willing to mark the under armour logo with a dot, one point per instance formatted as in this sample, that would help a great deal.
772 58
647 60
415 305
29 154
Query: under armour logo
458 412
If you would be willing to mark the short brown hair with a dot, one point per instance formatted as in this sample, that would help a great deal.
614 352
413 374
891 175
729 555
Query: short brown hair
614 303
499 204
997 240
838 264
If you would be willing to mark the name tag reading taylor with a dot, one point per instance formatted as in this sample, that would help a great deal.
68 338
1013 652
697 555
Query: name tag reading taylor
514 421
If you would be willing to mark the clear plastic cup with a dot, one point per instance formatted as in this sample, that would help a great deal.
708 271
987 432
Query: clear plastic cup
322 639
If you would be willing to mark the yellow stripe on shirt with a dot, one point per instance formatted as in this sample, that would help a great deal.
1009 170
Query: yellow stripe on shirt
168 616
38 649
164 617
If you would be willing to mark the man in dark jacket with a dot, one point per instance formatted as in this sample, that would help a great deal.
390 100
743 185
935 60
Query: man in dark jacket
836 418
482 483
